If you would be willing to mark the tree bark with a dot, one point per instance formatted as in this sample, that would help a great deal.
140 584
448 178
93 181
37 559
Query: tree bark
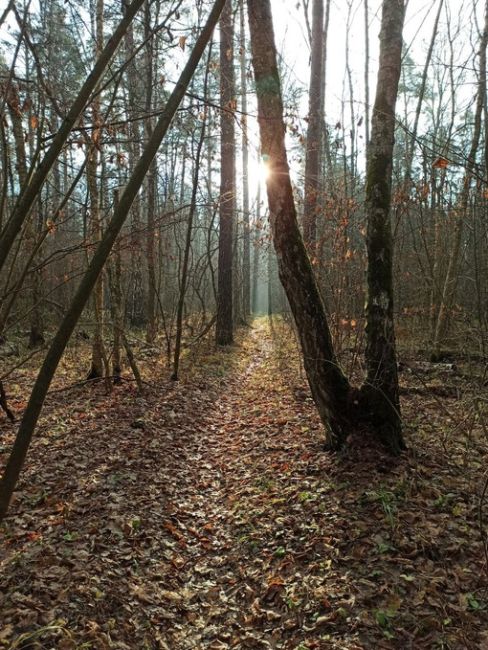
116 306
135 99
151 186
380 391
36 337
93 157
189 233
256 251
314 150
246 230
366 73
224 326
330 388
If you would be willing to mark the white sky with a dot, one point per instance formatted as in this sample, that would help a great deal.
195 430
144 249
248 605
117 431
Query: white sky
292 44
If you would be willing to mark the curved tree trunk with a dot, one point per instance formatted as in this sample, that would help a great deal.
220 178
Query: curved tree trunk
330 388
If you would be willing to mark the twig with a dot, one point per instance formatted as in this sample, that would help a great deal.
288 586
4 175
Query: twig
21 363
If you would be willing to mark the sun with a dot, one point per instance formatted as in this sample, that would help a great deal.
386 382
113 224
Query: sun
264 171
259 172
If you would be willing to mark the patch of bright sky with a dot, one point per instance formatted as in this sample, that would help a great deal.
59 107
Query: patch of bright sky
293 45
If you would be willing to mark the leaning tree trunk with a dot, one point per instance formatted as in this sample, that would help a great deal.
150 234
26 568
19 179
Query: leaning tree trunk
380 391
26 200
330 388
58 345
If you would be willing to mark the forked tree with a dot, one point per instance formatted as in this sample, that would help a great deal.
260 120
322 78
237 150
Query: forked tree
341 407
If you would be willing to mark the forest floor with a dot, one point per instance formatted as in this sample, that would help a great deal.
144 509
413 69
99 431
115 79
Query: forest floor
206 514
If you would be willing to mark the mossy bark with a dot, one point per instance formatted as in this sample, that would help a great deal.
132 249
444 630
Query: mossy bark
380 394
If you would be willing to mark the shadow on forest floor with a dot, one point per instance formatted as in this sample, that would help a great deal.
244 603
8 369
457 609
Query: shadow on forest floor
207 515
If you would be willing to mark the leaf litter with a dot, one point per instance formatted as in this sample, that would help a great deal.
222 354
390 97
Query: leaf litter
206 514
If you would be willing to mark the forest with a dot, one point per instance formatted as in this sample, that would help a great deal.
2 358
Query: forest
243 324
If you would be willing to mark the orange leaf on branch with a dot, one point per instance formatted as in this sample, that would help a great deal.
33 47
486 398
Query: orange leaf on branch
440 163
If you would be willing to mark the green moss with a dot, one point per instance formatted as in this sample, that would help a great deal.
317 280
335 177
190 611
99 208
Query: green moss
378 188
268 85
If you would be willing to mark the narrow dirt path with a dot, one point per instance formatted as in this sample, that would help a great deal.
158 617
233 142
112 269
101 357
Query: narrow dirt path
223 502
206 515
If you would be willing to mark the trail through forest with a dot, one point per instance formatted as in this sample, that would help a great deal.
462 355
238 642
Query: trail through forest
206 514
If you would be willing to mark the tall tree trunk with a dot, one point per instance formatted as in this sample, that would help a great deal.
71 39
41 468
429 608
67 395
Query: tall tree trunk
352 129
36 337
326 163
189 231
94 155
381 387
330 388
151 182
224 325
314 150
135 100
256 252
58 345
116 306
366 74
246 230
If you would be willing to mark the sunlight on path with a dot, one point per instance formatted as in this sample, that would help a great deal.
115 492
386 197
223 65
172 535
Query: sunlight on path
206 515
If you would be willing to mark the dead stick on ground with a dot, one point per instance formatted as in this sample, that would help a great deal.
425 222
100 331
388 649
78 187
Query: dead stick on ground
132 363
